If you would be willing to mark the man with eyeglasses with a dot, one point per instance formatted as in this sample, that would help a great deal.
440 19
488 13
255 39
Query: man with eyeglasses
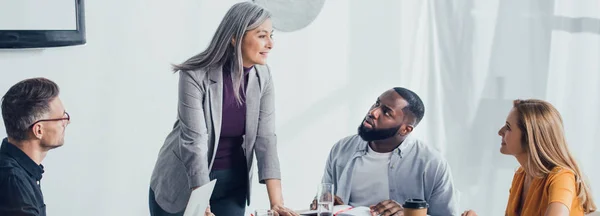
35 122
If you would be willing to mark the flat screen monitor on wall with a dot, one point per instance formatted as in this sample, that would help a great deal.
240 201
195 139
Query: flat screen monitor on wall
41 23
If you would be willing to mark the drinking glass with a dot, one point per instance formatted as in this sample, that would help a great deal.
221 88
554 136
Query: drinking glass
325 199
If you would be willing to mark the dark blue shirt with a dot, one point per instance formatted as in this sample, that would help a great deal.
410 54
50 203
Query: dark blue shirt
20 191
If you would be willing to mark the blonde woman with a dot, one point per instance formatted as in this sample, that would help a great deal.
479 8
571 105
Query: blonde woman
549 181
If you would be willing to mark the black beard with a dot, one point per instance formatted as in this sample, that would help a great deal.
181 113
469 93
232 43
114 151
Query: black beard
376 134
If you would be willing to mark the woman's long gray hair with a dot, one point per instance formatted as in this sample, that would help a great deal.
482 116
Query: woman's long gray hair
240 18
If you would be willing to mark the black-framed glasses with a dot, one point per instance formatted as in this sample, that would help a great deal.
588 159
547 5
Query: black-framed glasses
68 118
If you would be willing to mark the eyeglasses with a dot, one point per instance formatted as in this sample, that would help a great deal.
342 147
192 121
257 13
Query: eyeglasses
68 118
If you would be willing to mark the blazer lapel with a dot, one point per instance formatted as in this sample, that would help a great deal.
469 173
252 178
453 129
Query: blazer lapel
216 104
252 108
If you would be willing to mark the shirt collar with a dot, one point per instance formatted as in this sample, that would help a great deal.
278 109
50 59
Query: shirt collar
25 161
400 150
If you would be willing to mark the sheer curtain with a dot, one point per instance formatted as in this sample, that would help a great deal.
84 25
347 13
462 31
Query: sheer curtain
470 59
574 78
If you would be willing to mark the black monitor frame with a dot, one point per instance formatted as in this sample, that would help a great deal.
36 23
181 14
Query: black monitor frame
18 39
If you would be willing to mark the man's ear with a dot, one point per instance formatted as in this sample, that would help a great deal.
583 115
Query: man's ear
233 41
37 131
405 129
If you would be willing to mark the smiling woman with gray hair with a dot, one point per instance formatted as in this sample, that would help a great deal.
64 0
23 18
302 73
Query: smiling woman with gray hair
226 114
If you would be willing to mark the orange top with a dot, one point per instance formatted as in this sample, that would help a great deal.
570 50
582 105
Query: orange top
558 186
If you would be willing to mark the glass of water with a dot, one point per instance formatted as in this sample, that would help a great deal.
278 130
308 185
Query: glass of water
325 199
263 212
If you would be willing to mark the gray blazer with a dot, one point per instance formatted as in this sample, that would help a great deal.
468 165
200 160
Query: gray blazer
187 156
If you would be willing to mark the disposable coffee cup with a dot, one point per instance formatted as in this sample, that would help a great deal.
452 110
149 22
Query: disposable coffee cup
415 207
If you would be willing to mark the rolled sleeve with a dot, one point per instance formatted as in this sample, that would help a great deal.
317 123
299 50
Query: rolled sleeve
444 197
328 174
193 138
266 139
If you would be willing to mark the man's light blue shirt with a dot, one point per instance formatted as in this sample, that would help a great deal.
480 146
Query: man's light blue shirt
416 171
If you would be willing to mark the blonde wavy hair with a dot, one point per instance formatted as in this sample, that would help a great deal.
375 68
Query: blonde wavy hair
544 141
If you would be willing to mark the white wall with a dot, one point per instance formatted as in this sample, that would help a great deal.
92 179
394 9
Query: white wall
122 96
312 86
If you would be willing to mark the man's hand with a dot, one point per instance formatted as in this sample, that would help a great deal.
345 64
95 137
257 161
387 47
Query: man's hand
387 208
336 201
283 211
469 213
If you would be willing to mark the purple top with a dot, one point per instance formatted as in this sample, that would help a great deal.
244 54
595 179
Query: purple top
233 126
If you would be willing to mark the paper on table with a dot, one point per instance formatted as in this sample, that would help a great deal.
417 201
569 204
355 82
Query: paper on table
342 210
200 199
307 212
355 211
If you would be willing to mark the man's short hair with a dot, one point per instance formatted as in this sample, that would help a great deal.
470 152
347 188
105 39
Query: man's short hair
26 102
415 105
